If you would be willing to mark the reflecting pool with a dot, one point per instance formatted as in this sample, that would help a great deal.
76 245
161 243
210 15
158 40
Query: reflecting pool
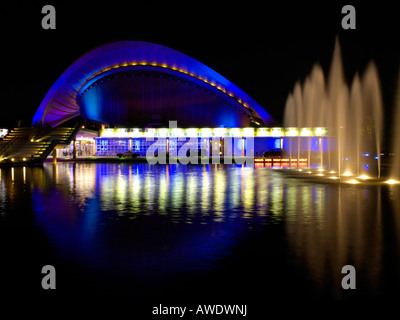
137 229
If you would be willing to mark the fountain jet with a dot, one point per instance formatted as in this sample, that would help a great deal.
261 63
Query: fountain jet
353 116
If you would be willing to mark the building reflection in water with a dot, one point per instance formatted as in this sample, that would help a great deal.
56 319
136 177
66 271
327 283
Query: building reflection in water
326 225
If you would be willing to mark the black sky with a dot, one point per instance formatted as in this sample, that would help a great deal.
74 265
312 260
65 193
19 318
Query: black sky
263 48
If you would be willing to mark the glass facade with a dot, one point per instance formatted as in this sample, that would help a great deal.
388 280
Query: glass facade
110 147
213 141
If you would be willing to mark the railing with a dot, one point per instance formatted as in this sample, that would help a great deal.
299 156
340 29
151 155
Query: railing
36 143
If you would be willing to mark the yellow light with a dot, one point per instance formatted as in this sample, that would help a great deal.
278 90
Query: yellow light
353 181
262 132
392 181
292 132
107 133
320 131
135 133
219 132
320 169
205 132
347 174
333 177
24 159
363 177
331 171
121 133
12 159
276 132
305 132
192 132
150 132
248 132
178 132
163 132
235 132
320 174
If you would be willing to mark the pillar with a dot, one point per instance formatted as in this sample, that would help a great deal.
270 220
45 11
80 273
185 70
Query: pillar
320 152
167 145
54 155
74 150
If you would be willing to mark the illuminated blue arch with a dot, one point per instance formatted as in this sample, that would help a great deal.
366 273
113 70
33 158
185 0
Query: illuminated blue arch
60 102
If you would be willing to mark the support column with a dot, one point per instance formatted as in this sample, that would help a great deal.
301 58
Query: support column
167 145
321 162
74 150
54 156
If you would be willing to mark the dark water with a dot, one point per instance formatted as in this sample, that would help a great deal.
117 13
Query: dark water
215 230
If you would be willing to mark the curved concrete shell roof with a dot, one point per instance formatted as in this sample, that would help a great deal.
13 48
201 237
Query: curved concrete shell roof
60 105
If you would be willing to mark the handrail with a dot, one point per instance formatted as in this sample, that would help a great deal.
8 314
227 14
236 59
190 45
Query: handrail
38 142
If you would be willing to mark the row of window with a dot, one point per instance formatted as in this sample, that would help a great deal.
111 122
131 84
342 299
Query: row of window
106 147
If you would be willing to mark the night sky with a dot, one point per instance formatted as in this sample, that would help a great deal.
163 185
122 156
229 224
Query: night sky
263 48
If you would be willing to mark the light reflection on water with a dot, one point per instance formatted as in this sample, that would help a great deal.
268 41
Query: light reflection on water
183 193
139 217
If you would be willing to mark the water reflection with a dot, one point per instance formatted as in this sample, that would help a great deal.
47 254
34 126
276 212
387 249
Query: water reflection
339 228
119 216
182 192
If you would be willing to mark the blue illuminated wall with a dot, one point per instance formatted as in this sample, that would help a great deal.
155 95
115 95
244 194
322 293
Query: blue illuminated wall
139 98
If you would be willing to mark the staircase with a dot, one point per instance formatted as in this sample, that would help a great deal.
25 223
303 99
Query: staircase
33 144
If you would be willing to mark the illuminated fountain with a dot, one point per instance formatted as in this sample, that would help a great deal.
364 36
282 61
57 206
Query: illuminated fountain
395 162
352 115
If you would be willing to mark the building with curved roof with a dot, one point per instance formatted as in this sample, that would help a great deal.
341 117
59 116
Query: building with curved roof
136 84
140 91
